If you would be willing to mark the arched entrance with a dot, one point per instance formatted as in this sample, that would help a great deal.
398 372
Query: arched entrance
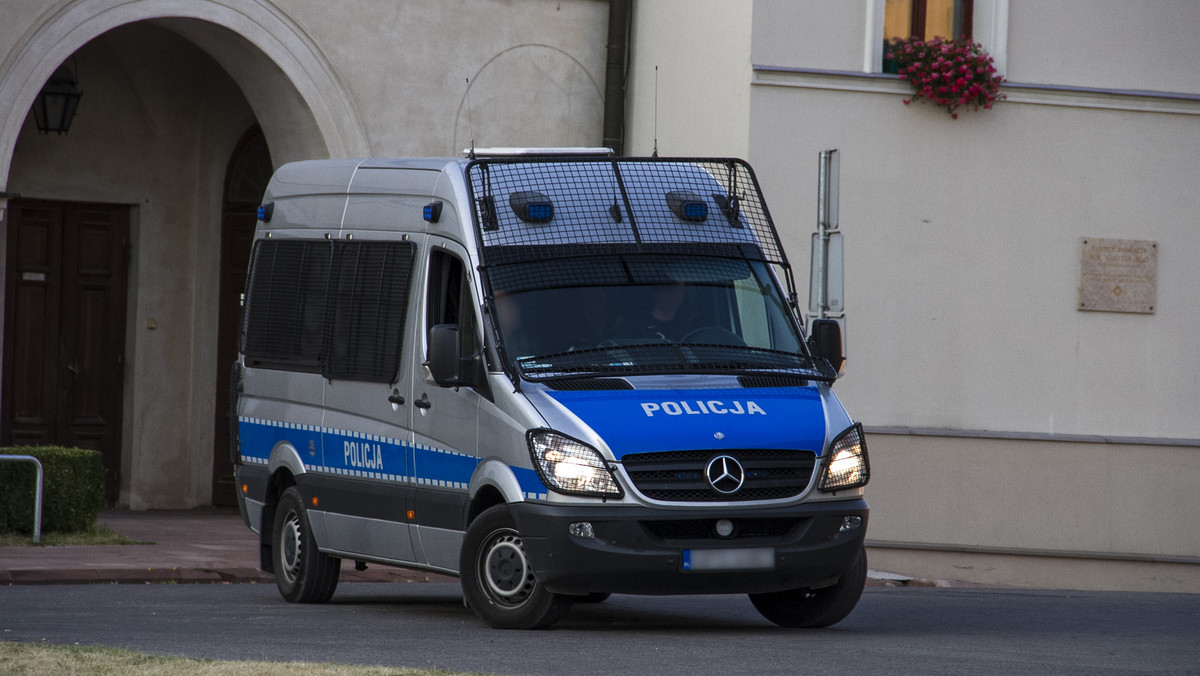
161 137
247 177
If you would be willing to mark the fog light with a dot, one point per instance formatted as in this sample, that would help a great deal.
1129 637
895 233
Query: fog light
582 529
724 528
850 523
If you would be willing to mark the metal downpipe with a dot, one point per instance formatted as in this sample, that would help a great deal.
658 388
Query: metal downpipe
619 19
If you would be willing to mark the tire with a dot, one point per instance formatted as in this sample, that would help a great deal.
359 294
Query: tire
812 608
497 580
303 574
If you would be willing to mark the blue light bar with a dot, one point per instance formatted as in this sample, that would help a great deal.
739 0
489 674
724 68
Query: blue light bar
531 206
539 211
687 206
432 212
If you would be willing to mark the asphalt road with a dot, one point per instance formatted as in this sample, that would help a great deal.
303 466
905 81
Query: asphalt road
926 631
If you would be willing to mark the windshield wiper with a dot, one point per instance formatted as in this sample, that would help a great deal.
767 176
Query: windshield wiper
670 358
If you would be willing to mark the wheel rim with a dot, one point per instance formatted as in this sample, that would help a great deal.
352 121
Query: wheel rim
504 570
289 547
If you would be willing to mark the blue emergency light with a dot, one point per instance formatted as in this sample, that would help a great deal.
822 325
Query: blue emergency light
432 212
531 206
687 206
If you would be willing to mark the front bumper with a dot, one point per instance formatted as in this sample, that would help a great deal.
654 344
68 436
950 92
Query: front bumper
641 550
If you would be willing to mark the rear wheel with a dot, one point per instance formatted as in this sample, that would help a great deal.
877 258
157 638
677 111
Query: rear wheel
303 574
811 608
497 579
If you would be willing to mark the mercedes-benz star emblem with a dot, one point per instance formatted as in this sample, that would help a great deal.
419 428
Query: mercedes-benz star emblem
725 474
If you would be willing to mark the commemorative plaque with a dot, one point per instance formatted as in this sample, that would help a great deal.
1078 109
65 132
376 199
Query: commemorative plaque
1118 275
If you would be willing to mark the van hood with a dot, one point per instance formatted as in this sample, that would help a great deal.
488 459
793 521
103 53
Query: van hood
641 421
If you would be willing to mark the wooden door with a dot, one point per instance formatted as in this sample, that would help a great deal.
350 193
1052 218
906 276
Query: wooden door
64 329
245 181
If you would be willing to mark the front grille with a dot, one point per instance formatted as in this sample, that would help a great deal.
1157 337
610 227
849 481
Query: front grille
705 529
679 476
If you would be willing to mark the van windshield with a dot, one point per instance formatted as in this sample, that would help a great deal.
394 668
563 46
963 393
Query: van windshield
645 313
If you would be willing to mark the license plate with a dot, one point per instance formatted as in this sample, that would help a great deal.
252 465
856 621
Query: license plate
729 559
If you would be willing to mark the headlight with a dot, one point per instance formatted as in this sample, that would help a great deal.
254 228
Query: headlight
848 465
570 466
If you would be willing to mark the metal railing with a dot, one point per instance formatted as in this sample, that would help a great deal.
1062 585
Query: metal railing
37 502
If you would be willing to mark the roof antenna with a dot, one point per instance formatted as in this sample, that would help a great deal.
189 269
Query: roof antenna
655 153
470 123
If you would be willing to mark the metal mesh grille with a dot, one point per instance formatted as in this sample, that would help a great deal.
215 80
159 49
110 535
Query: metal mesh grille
620 201
679 476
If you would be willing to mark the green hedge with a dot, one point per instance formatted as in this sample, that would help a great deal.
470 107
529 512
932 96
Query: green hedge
72 494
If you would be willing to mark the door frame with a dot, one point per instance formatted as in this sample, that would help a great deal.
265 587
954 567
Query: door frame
61 282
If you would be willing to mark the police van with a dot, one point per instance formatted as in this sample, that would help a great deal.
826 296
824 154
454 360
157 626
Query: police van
555 374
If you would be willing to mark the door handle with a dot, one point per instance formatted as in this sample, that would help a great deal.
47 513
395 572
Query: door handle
423 402
396 399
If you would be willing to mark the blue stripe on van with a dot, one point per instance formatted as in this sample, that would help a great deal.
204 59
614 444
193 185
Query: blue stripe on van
366 456
348 453
436 467
258 437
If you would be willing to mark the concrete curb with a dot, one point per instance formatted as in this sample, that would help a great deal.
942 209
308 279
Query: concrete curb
65 576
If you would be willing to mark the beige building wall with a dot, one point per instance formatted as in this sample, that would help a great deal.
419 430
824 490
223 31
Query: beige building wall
1142 46
1015 439
169 89
689 78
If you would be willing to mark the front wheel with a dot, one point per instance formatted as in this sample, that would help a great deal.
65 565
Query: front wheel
811 608
303 574
497 579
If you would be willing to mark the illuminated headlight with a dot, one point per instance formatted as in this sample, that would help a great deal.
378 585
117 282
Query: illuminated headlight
569 466
848 464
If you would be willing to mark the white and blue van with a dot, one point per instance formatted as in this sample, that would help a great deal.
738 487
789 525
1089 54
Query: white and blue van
556 374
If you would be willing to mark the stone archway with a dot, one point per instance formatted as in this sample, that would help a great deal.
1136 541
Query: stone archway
289 83
278 79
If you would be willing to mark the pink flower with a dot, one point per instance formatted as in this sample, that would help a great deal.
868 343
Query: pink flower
949 73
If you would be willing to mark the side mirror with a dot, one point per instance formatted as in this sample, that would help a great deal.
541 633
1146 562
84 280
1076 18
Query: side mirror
447 367
443 355
826 342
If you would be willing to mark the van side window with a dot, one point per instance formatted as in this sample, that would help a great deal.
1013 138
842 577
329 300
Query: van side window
368 301
450 299
337 308
283 320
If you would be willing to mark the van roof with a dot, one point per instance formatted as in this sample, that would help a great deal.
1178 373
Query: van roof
563 199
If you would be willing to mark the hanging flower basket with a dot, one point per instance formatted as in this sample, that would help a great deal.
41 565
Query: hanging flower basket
953 74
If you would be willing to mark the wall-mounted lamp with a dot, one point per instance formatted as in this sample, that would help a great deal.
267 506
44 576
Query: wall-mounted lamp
56 103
